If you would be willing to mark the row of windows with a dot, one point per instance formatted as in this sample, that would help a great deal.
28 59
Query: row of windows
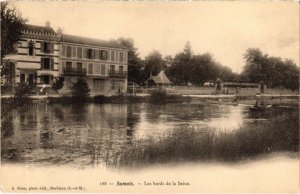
78 52
46 47
97 69
88 53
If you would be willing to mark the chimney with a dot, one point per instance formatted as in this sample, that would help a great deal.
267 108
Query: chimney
47 24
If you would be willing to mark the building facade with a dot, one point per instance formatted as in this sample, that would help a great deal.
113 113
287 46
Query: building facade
103 64
43 55
36 60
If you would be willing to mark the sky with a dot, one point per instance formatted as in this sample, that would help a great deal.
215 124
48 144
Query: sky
224 29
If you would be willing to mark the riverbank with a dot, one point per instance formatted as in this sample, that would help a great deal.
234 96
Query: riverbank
279 132
169 98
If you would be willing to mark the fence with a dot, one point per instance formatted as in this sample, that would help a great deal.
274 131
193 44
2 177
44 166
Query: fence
194 90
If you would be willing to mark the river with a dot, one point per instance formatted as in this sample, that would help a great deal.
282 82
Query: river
95 133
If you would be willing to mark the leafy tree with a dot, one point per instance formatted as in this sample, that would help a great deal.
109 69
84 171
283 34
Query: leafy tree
274 71
80 90
134 62
197 69
154 63
11 27
58 83
188 50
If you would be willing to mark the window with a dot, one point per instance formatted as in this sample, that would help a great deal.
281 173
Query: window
121 57
79 66
90 53
79 52
102 69
112 68
68 66
69 51
121 69
90 68
103 55
30 78
22 78
30 48
97 68
74 52
46 79
47 63
125 57
97 54
112 55
47 47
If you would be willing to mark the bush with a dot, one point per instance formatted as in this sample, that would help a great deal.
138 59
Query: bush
58 84
80 90
21 96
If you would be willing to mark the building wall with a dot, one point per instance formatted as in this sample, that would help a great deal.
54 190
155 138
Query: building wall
31 64
96 70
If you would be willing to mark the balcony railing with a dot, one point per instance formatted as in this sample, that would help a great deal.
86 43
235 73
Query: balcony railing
74 71
117 73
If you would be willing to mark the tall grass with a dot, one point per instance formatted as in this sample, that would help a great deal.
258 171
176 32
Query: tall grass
280 133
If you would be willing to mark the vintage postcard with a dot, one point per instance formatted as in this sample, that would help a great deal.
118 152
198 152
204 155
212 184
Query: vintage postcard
149 96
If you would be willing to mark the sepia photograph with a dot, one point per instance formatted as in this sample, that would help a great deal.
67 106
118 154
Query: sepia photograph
150 96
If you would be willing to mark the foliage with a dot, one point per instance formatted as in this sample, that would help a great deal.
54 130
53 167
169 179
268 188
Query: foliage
11 26
197 69
80 90
154 63
21 95
135 65
274 71
58 83
280 133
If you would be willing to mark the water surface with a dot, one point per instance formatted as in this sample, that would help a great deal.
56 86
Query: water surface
97 133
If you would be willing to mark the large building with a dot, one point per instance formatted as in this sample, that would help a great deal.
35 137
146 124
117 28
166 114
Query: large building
44 55
103 64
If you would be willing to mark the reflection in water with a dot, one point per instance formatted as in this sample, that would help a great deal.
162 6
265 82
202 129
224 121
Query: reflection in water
93 134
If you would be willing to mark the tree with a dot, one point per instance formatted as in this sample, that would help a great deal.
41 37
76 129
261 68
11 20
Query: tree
80 90
273 71
11 27
134 62
58 83
188 50
154 63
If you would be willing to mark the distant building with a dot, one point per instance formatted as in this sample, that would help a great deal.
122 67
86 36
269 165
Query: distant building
160 80
44 55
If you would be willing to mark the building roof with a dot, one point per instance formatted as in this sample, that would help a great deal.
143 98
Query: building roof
161 78
39 28
90 41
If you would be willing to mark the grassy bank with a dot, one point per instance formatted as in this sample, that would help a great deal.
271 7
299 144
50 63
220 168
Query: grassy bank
279 133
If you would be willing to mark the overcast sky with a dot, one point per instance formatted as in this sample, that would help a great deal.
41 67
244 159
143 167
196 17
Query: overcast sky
225 29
